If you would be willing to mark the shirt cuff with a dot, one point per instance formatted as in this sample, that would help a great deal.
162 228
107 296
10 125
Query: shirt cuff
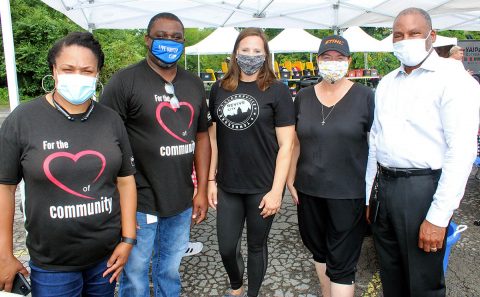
438 217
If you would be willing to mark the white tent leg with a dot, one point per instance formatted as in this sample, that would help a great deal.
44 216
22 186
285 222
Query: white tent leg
198 65
365 57
9 51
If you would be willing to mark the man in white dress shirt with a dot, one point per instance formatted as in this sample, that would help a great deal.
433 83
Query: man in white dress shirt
422 146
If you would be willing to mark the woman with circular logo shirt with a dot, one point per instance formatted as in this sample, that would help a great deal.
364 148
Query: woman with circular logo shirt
80 198
252 138
327 175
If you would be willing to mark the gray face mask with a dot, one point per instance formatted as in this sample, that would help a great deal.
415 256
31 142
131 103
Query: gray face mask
250 64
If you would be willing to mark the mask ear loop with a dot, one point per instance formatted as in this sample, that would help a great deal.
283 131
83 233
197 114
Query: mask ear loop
43 83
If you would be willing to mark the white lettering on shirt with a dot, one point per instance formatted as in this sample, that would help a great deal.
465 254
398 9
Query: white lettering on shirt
81 210
177 150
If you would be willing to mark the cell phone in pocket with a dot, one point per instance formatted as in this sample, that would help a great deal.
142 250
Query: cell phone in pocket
21 285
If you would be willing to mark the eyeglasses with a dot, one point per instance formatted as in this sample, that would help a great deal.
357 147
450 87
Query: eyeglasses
170 90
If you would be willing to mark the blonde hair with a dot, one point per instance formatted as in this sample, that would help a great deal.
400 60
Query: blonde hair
454 50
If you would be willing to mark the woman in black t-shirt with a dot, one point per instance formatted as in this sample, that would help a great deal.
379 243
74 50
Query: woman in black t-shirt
252 139
77 165
327 174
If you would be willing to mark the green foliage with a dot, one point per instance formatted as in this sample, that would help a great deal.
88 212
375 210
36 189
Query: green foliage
121 48
3 96
35 28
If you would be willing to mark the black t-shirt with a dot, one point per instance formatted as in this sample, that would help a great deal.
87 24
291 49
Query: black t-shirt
333 157
247 144
70 169
162 138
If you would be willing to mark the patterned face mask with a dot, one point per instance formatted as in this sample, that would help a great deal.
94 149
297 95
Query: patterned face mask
250 64
332 71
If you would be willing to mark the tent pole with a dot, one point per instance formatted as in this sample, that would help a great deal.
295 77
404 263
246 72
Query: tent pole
185 61
365 57
11 69
273 61
9 51
198 64
311 56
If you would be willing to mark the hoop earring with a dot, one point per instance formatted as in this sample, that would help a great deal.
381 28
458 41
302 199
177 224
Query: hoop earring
43 85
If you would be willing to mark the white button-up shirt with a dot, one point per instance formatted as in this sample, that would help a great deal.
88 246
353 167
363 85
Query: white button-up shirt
427 119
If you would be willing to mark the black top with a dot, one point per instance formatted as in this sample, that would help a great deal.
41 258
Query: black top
246 139
333 156
70 169
162 138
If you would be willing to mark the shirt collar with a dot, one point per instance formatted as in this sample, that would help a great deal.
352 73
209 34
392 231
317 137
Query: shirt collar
431 63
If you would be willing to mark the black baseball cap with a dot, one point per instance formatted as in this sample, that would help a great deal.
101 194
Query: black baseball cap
334 43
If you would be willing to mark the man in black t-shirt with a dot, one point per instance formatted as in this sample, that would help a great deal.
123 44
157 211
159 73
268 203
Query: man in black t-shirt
165 113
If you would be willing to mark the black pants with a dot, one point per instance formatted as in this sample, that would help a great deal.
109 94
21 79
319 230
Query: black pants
232 211
333 230
405 269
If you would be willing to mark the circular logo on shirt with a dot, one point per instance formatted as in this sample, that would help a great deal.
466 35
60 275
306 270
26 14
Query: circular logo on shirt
238 112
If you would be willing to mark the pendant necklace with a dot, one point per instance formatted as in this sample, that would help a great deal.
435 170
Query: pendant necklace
324 118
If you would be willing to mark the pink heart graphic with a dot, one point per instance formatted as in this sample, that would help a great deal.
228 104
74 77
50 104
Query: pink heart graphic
162 123
75 158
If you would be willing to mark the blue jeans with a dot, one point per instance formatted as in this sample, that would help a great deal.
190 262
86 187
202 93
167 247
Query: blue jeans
89 282
168 240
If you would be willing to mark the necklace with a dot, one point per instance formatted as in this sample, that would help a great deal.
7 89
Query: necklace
324 118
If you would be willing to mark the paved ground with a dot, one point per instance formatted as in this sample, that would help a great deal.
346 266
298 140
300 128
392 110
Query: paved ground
291 272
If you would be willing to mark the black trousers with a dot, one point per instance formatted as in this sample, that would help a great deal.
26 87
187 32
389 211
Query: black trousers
333 230
232 212
405 269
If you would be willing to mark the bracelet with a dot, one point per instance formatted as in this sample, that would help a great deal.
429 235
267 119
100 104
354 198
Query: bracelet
211 180
128 240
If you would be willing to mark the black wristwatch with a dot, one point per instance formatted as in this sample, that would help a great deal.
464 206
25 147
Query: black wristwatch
129 240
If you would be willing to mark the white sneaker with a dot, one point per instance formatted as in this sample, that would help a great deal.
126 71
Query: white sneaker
193 248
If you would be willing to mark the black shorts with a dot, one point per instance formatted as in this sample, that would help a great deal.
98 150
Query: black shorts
333 230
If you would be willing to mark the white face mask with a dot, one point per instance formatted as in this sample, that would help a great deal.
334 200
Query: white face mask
76 88
332 71
411 52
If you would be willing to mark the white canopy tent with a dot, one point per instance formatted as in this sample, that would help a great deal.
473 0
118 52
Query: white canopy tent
360 41
307 14
292 40
221 41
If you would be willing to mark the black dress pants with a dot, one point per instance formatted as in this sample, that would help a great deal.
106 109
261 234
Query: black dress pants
405 269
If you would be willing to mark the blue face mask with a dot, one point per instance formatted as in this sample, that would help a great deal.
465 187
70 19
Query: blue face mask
167 51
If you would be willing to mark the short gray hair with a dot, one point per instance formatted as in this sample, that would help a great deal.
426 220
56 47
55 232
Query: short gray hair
415 10
455 49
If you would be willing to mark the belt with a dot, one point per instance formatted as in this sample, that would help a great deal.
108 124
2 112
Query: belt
406 172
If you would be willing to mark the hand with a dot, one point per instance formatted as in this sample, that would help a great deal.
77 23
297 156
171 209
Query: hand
430 237
9 266
212 194
270 203
200 207
117 260
367 214
294 193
